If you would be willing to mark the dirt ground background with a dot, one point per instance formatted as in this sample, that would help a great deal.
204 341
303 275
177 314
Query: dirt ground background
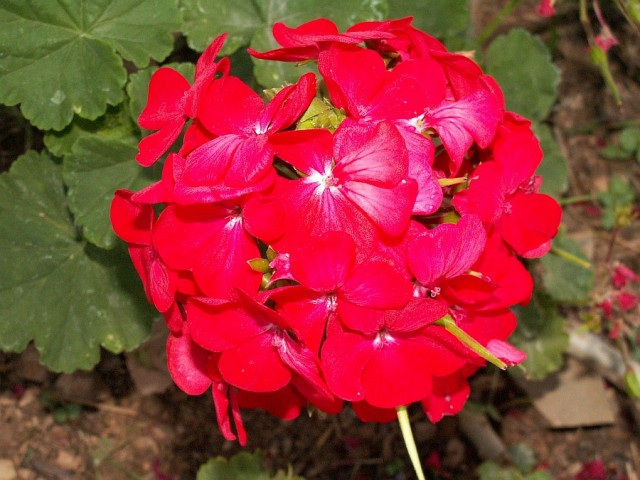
123 421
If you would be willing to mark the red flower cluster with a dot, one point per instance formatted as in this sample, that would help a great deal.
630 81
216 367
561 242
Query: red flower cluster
360 247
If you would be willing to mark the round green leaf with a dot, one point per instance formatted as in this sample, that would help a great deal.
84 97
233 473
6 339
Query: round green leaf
553 169
563 280
116 123
449 21
242 466
59 58
522 65
67 296
541 334
96 168
206 19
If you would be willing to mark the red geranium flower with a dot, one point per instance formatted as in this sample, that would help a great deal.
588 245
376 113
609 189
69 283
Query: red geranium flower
172 101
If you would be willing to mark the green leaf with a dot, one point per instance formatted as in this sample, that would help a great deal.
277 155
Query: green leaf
59 58
553 169
564 280
242 466
116 123
618 203
96 168
448 21
630 139
55 289
492 471
522 65
522 456
249 22
541 334
614 152
204 20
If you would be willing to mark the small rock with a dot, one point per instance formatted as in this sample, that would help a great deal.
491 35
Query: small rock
7 470
28 366
78 385
68 461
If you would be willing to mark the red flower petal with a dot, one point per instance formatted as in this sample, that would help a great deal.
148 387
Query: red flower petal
447 251
344 357
165 102
323 263
373 155
531 220
390 209
447 398
187 363
460 123
255 365
376 285
131 221
153 146
398 373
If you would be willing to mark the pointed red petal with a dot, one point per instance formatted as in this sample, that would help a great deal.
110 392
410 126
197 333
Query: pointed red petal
288 105
151 147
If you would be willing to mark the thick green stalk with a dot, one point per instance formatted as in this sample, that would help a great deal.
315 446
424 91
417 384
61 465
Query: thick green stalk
409 441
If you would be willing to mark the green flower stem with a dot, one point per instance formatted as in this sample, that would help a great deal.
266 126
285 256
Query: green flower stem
576 199
497 20
571 257
450 326
409 441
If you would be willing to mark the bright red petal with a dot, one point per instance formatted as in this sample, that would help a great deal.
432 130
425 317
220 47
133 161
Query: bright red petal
187 363
165 102
324 263
532 220
374 155
377 285
255 366
344 357
151 147
131 221
397 374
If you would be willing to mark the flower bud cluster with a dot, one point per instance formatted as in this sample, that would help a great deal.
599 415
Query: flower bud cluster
355 238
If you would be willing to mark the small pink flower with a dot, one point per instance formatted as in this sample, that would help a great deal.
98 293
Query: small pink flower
605 39
594 470
621 275
626 300
545 8
607 308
